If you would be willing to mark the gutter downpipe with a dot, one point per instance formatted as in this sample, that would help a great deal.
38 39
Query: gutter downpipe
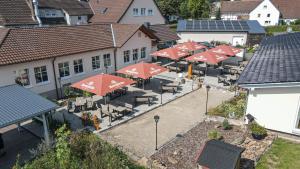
55 79
115 47
36 11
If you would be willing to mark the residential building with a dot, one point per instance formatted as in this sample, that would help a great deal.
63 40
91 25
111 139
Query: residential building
45 59
289 10
264 11
272 78
216 154
234 32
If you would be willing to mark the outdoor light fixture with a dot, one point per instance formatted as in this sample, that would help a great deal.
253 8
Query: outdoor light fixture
156 119
207 90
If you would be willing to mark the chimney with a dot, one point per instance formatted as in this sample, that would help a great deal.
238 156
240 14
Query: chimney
36 11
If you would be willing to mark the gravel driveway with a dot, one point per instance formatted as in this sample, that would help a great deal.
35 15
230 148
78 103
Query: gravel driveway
137 136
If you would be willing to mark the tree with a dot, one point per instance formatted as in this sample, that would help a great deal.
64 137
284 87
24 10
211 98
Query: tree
218 14
183 10
169 7
199 8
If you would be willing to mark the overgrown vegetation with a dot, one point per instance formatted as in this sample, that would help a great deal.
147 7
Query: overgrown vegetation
283 154
214 134
226 125
281 28
257 129
233 108
80 151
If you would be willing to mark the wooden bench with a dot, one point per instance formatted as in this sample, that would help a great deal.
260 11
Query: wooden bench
169 88
143 99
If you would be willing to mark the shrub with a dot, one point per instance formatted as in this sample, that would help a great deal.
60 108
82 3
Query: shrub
257 129
214 134
226 125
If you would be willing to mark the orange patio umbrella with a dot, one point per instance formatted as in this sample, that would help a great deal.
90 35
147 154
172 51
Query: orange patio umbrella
102 84
171 53
189 46
226 50
207 57
142 70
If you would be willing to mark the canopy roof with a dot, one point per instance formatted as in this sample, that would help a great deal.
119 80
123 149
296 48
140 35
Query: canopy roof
226 50
142 70
207 57
190 46
19 104
102 84
171 53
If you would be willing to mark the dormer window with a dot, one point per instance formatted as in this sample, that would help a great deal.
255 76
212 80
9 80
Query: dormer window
135 11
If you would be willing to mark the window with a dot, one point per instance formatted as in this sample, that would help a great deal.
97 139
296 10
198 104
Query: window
79 18
268 15
135 54
126 56
96 62
64 69
78 66
143 11
135 11
265 6
41 74
150 12
107 61
267 22
143 52
258 15
23 77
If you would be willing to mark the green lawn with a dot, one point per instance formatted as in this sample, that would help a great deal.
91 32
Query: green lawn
283 155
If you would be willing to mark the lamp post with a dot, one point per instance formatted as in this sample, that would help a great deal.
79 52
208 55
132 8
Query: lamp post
161 91
207 90
156 119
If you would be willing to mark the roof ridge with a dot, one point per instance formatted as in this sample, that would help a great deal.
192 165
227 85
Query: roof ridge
5 36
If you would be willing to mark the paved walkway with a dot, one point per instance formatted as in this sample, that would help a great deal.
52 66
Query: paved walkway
138 135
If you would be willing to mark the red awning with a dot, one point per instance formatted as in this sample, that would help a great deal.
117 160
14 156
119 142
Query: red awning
226 50
102 84
189 46
207 57
142 70
171 53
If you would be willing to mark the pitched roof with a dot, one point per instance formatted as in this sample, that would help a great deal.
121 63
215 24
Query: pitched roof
72 7
164 33
110 11
276 61
16 12
219 155
239 6
289 9
29 44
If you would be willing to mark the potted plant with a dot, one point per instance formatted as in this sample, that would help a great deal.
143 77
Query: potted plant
258 132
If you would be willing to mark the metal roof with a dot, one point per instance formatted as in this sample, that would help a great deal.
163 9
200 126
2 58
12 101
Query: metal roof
219 26
18 104
276 61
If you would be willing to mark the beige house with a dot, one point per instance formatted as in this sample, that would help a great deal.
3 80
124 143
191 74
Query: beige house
46 59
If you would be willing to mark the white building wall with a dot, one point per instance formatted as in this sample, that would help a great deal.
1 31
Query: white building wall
275 108
74 20
211 36
260 13
156 18
135 42
51 13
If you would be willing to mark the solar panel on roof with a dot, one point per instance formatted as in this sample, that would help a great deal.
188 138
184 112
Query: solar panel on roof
228 25
204 24
212 25
189 25
197 25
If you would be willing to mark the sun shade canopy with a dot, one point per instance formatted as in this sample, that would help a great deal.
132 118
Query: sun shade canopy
207 57
142 70
171 53
19 104
189 46
102 84
226 50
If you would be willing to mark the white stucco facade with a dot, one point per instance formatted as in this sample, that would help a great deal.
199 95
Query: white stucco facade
229 37
265 13
154 17
276 108
76 20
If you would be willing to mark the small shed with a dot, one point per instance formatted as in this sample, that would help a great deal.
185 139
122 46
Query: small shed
235 32
19 104
219 155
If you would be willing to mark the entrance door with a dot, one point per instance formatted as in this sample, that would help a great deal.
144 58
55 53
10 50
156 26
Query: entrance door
237 40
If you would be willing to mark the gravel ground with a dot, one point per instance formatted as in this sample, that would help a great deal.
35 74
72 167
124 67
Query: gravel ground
182 151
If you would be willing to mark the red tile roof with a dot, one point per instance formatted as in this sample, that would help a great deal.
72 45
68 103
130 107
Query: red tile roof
289 9
16 12
239 6
164 33
108 10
